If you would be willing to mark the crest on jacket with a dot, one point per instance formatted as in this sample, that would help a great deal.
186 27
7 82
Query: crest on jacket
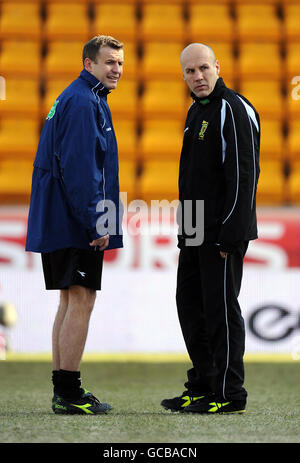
52 110
202 130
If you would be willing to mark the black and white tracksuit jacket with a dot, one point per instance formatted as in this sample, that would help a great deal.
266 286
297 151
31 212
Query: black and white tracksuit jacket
220 165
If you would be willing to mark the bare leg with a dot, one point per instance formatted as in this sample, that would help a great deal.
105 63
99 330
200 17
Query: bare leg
61 312
74 329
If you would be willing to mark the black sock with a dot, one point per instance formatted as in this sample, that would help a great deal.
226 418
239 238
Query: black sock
55 379
67 384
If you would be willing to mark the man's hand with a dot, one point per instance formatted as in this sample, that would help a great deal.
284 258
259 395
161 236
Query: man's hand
101 242
223 254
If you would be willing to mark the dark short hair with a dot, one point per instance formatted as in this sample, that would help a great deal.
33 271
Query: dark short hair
92 47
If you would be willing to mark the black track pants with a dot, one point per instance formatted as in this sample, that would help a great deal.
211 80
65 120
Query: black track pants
210 317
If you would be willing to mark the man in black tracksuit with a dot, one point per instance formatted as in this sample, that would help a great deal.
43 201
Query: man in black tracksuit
219 165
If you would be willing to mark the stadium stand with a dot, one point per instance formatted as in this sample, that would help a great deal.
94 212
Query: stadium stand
258 21
131 59
126 133
161 59
22 97
163 21
159 181
163 98
18 137
292 58
257 44
293 103
272 184
20 20
67 21
224 53
294 184
56 63
160 139
265 94
128 178
252 60
118 19
20 57
272 139
123 102
219 14
292 21
293 145
15 179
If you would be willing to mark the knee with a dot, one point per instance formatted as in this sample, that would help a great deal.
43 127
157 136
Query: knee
82 298
64 299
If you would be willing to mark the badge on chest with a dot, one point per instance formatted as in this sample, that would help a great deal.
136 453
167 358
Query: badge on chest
202 130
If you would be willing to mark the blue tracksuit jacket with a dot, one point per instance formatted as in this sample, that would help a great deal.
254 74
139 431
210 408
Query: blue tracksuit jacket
75 183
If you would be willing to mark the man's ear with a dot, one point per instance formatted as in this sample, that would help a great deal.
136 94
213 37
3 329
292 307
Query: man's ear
218 66
87 64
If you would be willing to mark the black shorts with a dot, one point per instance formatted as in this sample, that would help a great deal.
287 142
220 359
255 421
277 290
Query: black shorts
67 267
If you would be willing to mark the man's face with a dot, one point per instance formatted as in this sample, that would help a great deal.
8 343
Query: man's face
108 68
200 72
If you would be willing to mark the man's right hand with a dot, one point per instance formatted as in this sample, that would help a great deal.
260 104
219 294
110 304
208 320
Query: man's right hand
101 242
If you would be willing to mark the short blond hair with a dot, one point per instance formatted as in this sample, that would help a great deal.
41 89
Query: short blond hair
92 47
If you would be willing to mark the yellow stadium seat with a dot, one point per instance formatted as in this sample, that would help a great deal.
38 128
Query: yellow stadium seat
64 58
161 139
123 100
230 83
224 54
22 96
294 183
126 133
20 19
292 21
2 88
65 20
164 98
19 137
293 141
293 97
265 95
292 59
15 179
70 2
127 178
271 185
118 19
130 67
258 21
161 59
163 21
254 2
20 57
293 108
253 57
210 22
159 180
272 139
53 88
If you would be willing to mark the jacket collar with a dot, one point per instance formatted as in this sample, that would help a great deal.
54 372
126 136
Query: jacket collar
96 86
217 92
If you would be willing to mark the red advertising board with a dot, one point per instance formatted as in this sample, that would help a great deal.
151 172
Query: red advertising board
278 245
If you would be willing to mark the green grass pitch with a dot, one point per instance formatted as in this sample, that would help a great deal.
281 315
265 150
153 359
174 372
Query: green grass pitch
135 390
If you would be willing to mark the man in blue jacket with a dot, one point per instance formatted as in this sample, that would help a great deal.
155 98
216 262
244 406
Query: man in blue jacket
75 212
